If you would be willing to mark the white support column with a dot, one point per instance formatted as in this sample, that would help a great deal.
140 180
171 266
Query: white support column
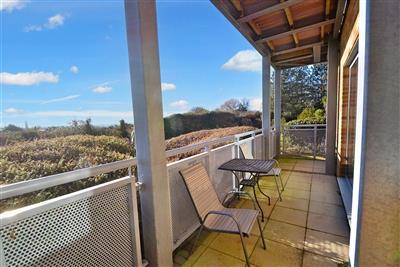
375 228
277 111
333 60
266 113
141 23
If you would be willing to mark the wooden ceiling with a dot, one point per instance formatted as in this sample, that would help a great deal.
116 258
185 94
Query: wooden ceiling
291 32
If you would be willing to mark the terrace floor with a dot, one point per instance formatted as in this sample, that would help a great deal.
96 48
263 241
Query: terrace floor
308 228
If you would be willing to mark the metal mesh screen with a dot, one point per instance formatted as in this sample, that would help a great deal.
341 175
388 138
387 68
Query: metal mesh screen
93 231
304 141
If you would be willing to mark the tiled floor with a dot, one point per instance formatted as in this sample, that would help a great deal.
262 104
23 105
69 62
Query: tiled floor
308 228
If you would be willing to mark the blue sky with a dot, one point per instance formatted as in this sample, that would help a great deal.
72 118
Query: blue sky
65 60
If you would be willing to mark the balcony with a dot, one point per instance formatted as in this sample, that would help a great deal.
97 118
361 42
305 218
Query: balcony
308 228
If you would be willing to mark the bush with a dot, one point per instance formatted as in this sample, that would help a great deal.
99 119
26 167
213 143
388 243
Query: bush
30 160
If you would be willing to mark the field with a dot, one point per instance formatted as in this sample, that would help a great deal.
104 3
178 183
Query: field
28 160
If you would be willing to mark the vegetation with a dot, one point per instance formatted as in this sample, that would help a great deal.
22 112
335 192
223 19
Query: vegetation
178 124
33 159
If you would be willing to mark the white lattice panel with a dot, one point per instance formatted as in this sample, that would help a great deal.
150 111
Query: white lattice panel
91 231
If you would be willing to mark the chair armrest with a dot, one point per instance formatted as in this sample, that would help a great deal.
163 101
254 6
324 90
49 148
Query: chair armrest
221 213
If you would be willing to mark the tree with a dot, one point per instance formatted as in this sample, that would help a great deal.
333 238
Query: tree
13 128
199 110
88 128
235 105
123 129
303 87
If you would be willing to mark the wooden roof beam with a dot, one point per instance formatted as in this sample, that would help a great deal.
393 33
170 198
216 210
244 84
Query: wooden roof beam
293 59
305 28
327 12
237 5
317 53
339 18
268 10
296 49
289 18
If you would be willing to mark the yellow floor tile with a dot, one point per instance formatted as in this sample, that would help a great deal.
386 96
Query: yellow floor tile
328 224
276 255
294 203
296 217
296 193
333 198
215 258
327 209
196 254
313 260
332 246
230 244
292 184
285 233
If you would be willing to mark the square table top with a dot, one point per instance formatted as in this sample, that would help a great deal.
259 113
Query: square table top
248 165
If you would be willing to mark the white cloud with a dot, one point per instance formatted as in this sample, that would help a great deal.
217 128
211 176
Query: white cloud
55 21
12 111
27 78
61 99
74 69
102 89
245 60
52 23
256 104
168 86
10 5
180 104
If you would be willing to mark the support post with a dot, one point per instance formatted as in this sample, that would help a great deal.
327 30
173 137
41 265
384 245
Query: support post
330 139
266 113
141 24
375 228
277 112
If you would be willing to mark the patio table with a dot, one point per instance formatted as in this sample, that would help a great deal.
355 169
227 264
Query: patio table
255 168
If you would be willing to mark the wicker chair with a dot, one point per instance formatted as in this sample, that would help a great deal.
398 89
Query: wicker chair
212 214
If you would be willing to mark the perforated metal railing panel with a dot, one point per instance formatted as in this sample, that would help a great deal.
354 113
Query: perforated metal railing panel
92 231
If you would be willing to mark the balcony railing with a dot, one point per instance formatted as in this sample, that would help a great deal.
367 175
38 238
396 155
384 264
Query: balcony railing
304 140
99 225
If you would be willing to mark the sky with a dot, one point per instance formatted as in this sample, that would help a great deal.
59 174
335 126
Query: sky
68 60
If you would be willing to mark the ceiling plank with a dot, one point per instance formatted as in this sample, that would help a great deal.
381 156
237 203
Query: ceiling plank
293 59
268 10
296 49
237 5
255 28
305 28
327 12
230 12
317 53
289 18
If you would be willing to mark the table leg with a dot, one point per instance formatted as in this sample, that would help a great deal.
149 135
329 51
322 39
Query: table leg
258 204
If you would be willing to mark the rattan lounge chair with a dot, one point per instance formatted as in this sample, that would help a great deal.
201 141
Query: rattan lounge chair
212 214
276 171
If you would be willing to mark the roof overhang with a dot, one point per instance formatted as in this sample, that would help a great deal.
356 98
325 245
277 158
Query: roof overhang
292 32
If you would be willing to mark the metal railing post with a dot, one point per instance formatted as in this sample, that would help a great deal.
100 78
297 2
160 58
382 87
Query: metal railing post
315 141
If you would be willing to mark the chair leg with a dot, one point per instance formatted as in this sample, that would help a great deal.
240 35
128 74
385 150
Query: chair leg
261 234
244 250
280 178
197 239
277 187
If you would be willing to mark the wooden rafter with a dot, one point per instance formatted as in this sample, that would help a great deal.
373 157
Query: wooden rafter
305 28
289 18
269 10
296 49
327 12
293 59
237 5
317 53
338 18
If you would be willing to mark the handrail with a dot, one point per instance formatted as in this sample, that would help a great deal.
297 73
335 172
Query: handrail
16 189
23 187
